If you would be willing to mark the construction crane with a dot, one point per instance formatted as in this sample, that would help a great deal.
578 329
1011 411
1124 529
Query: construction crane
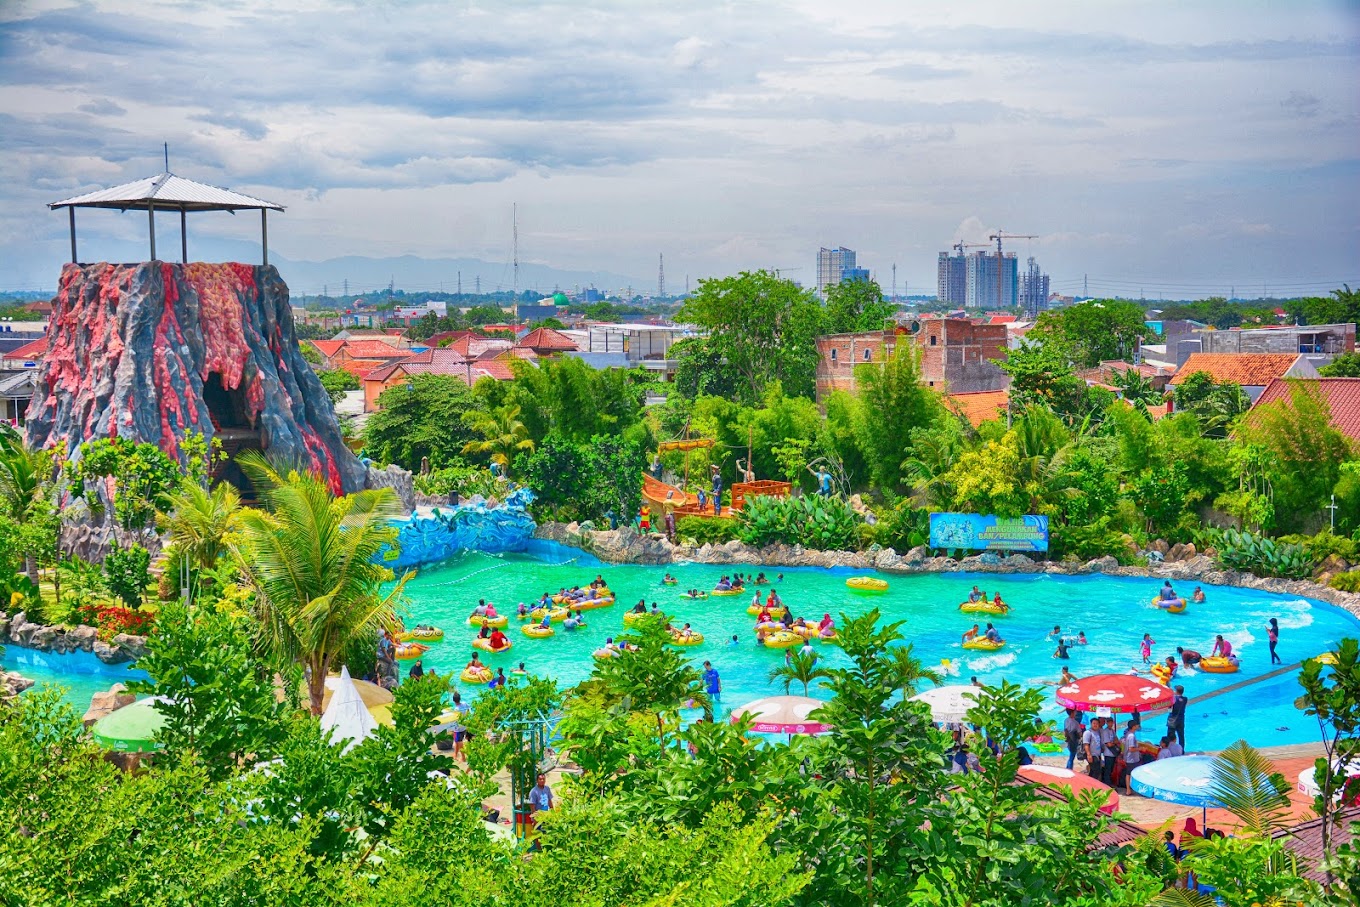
998 236
779 272
960 246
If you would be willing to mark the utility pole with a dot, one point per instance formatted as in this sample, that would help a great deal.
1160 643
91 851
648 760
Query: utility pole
894 295
1084 291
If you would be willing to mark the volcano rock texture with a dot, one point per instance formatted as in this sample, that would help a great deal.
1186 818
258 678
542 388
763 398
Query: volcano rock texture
153 351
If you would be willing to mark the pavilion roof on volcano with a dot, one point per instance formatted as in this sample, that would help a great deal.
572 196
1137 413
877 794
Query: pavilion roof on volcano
169 192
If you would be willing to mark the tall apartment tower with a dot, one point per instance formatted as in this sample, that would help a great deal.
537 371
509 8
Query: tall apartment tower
1033 290
982 280
831 267
951 279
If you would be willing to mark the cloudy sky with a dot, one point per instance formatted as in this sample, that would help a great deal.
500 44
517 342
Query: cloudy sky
1168 149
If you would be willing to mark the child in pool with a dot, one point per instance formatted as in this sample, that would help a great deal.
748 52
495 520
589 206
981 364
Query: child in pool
1081 638
1145 648
520 670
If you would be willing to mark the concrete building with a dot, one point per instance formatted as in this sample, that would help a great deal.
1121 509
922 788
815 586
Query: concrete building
1033 290
1321 343
831 267
631 346
951 279
982 276
957 355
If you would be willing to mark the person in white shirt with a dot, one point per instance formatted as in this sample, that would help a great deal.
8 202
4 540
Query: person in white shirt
1132 757
1090 748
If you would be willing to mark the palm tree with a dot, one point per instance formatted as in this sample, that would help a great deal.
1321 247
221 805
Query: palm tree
22 480
313 562
505 435
201 523
799 669
907 671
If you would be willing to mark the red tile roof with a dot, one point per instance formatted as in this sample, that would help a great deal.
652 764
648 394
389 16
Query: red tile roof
327 348
1305 840
1246 369
494 368
436 339
474 347
980 406
1001 319
1342 396
372 349
547 339
360 368
29 351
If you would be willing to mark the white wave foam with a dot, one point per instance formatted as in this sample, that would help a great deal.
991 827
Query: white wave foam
1294 614
991 662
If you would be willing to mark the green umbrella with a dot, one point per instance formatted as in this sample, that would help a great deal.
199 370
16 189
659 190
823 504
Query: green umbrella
131 729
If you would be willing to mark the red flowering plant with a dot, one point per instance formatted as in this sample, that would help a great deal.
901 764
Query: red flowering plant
111 619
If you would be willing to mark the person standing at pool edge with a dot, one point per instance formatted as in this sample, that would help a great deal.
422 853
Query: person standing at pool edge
1273 635
1175 722
712 682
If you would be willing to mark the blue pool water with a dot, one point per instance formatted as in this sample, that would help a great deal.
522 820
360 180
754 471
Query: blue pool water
1114 612
79 674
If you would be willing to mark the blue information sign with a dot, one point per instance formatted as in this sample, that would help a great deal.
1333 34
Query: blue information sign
987 532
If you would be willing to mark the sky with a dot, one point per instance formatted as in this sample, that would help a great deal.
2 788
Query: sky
1168 150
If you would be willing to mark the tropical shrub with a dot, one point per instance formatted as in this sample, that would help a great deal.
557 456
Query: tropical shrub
827 524
1325 544
706 530
111 619
1347 582
1252 553
901 527
1088 542
126 570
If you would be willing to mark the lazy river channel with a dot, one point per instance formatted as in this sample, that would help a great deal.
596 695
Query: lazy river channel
1114 612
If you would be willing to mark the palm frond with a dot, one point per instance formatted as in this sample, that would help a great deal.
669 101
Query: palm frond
1247 785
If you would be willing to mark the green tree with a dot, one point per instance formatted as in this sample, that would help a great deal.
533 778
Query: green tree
801 669
1216 405
27 498
313 561
907 671
649 677
987 479
1331 694
1305 450
422 418
870 837
893 402
199 523
1347 365
338 382
587 481
504 436
142 475
1089 332
763 328
571 399
856 305
218 703
1042 375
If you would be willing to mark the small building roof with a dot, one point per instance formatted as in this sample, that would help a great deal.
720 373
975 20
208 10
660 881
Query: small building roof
1342 396
979 406
1246 369
1305 840
165 190
547 339
372 349
34 349
327 348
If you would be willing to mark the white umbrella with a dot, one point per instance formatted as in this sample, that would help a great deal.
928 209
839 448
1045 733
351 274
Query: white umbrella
782 715
1308 783
347 717
949 705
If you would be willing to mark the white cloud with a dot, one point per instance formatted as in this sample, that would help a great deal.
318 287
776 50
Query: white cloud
1155 142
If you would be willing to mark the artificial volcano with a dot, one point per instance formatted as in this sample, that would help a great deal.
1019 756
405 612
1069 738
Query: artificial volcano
153 351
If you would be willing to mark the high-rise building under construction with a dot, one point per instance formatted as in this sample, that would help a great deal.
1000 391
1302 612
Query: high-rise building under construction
832 268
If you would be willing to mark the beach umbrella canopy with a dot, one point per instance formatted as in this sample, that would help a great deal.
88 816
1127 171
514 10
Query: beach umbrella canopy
347 717
1308 783
1187 780
1056 777
782 715
950 704
130 729
1116 692
372 694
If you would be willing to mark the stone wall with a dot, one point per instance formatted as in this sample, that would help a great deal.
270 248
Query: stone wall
61 640
399 480
1180 562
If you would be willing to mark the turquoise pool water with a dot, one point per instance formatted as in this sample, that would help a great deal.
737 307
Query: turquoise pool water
79 674
1114 612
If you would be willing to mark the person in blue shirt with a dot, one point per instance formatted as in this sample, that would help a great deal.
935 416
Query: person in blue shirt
712 682
498 680
540 795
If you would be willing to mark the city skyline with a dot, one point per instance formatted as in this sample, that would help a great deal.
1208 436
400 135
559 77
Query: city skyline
1172 152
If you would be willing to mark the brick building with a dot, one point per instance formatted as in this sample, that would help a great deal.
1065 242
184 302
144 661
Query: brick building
956 355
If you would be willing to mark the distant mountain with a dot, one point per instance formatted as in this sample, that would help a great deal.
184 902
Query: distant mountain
22 270
409 272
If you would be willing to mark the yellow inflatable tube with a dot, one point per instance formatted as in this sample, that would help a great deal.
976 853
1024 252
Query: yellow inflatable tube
485 645
783 639
867 584
984 608
982 642
500 620
693 639
472 675
535 631
1218 665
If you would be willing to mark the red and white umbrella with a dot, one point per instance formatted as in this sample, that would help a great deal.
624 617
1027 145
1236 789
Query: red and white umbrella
782 715
1116 692
1055 777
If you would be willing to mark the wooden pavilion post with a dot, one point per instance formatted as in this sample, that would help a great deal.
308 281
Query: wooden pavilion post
72 212
183 235
264 236
151 226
